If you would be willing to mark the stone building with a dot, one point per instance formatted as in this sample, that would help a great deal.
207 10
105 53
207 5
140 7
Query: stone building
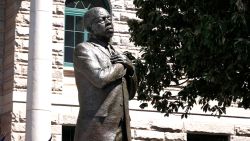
147 124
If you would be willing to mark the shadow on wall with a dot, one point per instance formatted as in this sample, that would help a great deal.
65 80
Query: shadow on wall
10 9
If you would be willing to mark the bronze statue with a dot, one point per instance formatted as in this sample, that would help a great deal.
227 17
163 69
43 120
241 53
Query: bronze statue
105 80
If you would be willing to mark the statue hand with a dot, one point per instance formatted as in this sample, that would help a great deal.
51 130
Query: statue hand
120 58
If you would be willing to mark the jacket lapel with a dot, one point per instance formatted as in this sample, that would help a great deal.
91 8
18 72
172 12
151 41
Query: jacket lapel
102 49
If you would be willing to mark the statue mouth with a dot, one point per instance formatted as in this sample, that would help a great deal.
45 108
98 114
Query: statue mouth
110 29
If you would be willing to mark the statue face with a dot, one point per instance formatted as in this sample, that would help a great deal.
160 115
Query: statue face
102 26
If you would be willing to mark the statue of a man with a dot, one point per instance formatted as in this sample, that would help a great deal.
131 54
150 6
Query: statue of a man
105 80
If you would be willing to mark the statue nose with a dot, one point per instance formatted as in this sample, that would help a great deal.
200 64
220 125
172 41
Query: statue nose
107 20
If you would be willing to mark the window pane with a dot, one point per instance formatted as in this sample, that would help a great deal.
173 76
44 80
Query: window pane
79 24
69 38
69 22
79 37
205 137
74 31
68 54
68 133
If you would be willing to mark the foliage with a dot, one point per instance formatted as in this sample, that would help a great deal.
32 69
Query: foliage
204 42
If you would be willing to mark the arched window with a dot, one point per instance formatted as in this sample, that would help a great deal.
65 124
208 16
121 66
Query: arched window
74 32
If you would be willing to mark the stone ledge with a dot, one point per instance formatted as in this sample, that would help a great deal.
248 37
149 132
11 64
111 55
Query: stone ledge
242 131
237 138
175 137
147 135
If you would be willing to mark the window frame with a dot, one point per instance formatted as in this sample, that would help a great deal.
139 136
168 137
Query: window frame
69 11
74 12
65 129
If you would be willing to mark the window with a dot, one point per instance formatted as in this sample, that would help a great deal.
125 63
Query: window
68 133
207 137
74 32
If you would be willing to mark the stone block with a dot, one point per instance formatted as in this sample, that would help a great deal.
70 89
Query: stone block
61 1
19 109
121 27
126 42
18 127
67 119
242 131
22 31
58 35
139 125
148 135
116 15
56 129
58 74
143 119
239 138
116 40
125 16
22 57
15 117
20 18
57 86
59 60
209 127
19 43
22 116
58 22
25 44
54 9
20 83
26 18
25 6
17 136
117 4
129 5
175 137
57 47
56 137
21 69
54 118
59 10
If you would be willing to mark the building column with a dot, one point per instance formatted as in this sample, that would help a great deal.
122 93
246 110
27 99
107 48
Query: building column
38 122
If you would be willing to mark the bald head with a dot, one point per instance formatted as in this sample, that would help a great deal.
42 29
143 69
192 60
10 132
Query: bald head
91 15
98 22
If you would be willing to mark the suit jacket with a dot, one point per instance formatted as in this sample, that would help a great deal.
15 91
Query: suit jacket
103 91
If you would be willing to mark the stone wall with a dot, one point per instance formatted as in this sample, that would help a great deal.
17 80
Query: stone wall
147 124
7 41
21 62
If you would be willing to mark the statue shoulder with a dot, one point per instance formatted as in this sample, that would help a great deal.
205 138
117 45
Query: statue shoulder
84 46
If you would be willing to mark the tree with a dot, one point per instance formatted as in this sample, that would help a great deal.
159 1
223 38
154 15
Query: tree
204 42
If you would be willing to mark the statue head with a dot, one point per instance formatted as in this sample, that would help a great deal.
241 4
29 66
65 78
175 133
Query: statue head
99 23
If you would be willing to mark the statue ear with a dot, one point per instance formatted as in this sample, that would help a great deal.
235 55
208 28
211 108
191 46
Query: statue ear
90 28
